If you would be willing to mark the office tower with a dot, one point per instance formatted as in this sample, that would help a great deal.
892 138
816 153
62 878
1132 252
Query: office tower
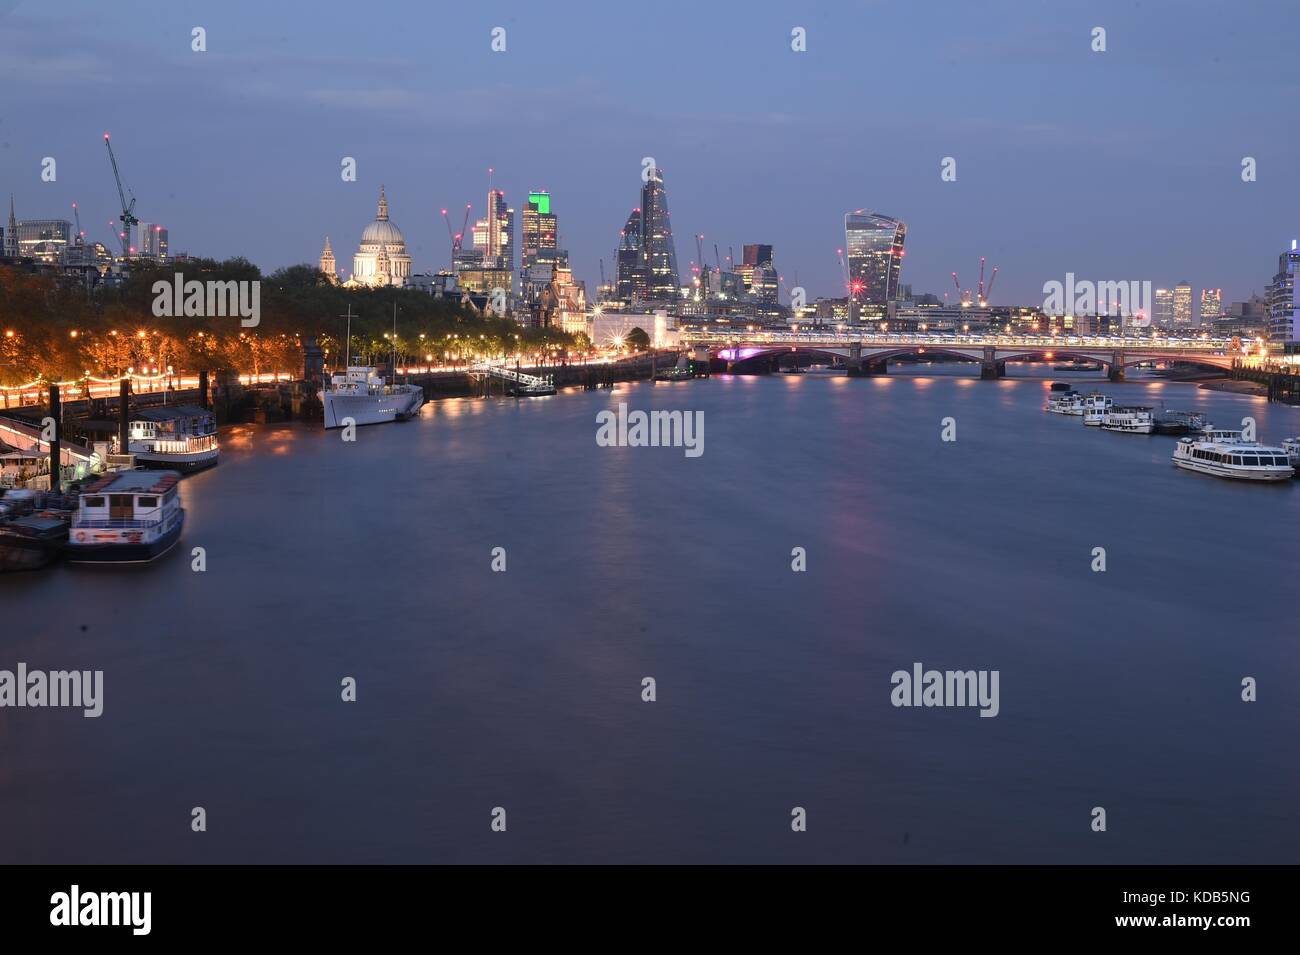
494 234
658 252
1182 305
540 256
873 244
153 240
1211 306
1283 320
631 280
758 273
1163 316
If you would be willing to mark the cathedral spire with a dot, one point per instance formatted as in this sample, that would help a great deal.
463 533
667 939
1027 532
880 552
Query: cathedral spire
382 214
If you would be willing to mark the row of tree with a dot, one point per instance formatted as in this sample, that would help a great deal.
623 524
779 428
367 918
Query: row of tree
54 331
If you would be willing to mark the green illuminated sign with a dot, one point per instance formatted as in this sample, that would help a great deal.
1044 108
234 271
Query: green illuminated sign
542 200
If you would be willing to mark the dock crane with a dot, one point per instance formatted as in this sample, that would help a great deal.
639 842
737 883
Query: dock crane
128 209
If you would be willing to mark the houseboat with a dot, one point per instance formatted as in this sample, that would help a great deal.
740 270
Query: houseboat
127 517
1233 458
179 438
1067 403
361 394
1129 420
1095 408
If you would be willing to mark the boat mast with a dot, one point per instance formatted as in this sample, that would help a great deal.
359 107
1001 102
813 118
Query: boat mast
347 347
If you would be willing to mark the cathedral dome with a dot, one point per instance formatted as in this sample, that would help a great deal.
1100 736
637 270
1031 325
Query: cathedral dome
382 231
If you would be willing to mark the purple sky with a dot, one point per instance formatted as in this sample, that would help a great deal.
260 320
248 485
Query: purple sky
1117 165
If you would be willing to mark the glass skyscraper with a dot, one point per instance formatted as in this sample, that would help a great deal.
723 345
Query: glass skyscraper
1283 317
873 244
647 257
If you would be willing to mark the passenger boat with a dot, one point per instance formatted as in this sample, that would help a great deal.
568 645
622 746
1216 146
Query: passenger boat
127 517
1095 408
1233 458
1292 448
361 394
1129 420
180 438
27 543
1068 402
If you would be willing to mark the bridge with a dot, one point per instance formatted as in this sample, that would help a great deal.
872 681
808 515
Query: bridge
863 353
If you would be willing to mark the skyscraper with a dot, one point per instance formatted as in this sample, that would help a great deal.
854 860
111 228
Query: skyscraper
1284 316
758 273
153 240
631 279
1182 305
539 254
1211 306
874 246
1163 316
657 248
494 234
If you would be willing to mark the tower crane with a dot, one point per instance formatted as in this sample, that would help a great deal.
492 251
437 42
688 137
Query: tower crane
128 209
81 236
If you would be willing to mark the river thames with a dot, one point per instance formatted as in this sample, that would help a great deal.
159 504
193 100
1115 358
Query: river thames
522 689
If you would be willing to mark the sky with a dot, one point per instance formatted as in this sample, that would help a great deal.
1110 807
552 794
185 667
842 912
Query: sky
1119 165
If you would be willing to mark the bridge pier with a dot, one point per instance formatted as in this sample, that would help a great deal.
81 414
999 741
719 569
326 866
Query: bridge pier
1116 370
990 367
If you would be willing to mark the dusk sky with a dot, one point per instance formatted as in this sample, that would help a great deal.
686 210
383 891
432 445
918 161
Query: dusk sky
1117 165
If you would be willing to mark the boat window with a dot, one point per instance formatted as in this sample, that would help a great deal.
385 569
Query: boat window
148 502
93 501
1236 459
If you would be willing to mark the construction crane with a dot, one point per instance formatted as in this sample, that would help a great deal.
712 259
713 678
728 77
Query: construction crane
981 286
989 290
128 209
81 236
717 258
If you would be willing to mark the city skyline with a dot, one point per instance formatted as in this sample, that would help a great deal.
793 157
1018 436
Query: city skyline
732 180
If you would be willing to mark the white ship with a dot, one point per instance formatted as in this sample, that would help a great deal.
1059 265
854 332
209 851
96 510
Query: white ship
1292 447
1231 457
1068 402
1095 408
362 395
1129 420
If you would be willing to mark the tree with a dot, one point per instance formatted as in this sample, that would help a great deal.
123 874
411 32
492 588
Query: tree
637 339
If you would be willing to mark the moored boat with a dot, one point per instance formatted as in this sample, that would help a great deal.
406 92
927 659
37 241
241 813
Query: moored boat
1067 403
361 394
1233 458
179 438
1129 420
127 517
1095 408
27 543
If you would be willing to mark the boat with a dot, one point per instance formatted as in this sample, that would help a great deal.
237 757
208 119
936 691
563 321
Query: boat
127 517
1068 403
1129 420
1095 408
1233 458
1292 447
792 370
31 542
179 438
1180 422
679 372
363 395
1062 386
